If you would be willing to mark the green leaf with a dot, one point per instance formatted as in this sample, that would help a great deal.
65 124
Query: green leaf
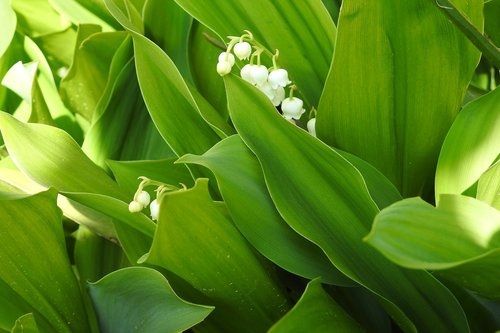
491 22
8 23
206 250
303 32
388 99
50 291
140 299
86 12
411 231
471 146
25 324
52 158
489 50
326 200
488 186
37 17
242 186
317 312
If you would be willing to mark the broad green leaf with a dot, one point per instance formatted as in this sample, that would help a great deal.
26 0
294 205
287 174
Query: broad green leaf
48 289
52 158
127 173
326 200
168 26
58 47
488 187
206 250
25 324
86 12
317 312
8 23
488 49
388 99
243 186
37 17
491 22
471 146
85 82
410 233
303 32
140 299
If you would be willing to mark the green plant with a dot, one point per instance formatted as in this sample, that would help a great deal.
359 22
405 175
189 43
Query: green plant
356 189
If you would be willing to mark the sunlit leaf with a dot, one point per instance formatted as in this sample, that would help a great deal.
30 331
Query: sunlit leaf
488 188
8 21
140 299
471 146
411 231
326 200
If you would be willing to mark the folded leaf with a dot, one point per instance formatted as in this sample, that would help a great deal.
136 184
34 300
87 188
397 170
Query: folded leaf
471 146
488 186
243 186
460 232
317 312
206 250
25 324
326 200
140 299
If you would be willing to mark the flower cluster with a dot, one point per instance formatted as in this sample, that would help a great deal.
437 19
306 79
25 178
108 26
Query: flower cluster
142 198
271 81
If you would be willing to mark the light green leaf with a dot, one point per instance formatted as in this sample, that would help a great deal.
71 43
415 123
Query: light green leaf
326 200
85 82
140 299
471 146
8 23
317 312
20 78
206 250
303 32
50 291
243 186
388 99
86 12
37 17
488 187
52 158
460 231
25 324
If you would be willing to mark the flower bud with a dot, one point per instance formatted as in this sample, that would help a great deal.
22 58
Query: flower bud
259 74
242 50
292 108
135 207
155 209
143 198
311 126
223 68
279 78
226 56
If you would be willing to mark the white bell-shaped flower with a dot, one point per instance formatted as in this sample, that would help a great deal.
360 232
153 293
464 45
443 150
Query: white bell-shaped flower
246 73
143 198
227 56
259 74
266 89
224 68
242 50
279 96
292 108
311 126
135 207
155 209
279 78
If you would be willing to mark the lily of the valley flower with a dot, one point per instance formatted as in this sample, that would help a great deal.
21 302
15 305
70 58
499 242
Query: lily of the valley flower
143 198
311 126
279 96
242 50
135 207
278 78
225 64
154 209
246 73
292 108
259 74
